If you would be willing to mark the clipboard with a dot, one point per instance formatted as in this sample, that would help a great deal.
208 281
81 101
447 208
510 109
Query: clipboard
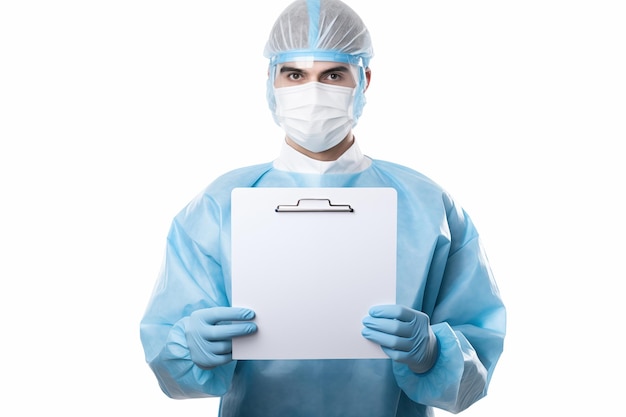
311 262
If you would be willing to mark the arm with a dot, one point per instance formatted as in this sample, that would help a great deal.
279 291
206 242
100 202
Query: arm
465 316
191 279
469 324
468 319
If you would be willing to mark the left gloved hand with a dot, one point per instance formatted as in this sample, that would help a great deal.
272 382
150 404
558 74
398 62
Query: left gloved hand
404 335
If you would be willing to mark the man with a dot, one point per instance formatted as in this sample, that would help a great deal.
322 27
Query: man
443 337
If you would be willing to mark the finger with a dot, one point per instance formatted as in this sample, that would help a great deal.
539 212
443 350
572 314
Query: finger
217 360
396 355
387 340
220 348
216 315
392 311
228 331
389 326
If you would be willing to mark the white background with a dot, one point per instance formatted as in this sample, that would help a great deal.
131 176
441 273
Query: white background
114 114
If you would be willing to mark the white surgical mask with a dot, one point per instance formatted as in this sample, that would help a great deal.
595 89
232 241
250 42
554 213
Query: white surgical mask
316 116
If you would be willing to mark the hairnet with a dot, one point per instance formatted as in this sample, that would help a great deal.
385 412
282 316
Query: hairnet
319 30
322 30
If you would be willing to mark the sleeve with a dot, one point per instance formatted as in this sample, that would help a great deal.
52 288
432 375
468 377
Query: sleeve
468 318
191 278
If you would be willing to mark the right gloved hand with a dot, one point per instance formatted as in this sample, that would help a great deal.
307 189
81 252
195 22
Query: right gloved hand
209 333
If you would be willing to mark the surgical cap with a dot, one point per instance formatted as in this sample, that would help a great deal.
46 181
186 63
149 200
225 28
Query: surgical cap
319 30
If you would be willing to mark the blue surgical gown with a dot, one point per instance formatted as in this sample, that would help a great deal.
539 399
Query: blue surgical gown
442 270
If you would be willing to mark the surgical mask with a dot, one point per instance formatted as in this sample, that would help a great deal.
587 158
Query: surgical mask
314 115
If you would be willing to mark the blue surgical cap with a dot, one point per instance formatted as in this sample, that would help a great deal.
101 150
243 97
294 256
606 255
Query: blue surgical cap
319 30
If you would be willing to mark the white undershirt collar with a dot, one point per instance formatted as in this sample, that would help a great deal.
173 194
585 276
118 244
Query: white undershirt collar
352 161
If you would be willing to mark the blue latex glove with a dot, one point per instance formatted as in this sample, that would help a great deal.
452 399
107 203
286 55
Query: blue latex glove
210 332
404 335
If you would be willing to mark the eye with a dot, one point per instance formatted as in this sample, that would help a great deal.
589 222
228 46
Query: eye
338 77
294 76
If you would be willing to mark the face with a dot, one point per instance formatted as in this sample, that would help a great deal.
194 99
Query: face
291 74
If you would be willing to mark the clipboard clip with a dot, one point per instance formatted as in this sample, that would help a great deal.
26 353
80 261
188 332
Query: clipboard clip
314 205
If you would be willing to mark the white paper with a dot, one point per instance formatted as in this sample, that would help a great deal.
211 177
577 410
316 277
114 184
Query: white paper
311 277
